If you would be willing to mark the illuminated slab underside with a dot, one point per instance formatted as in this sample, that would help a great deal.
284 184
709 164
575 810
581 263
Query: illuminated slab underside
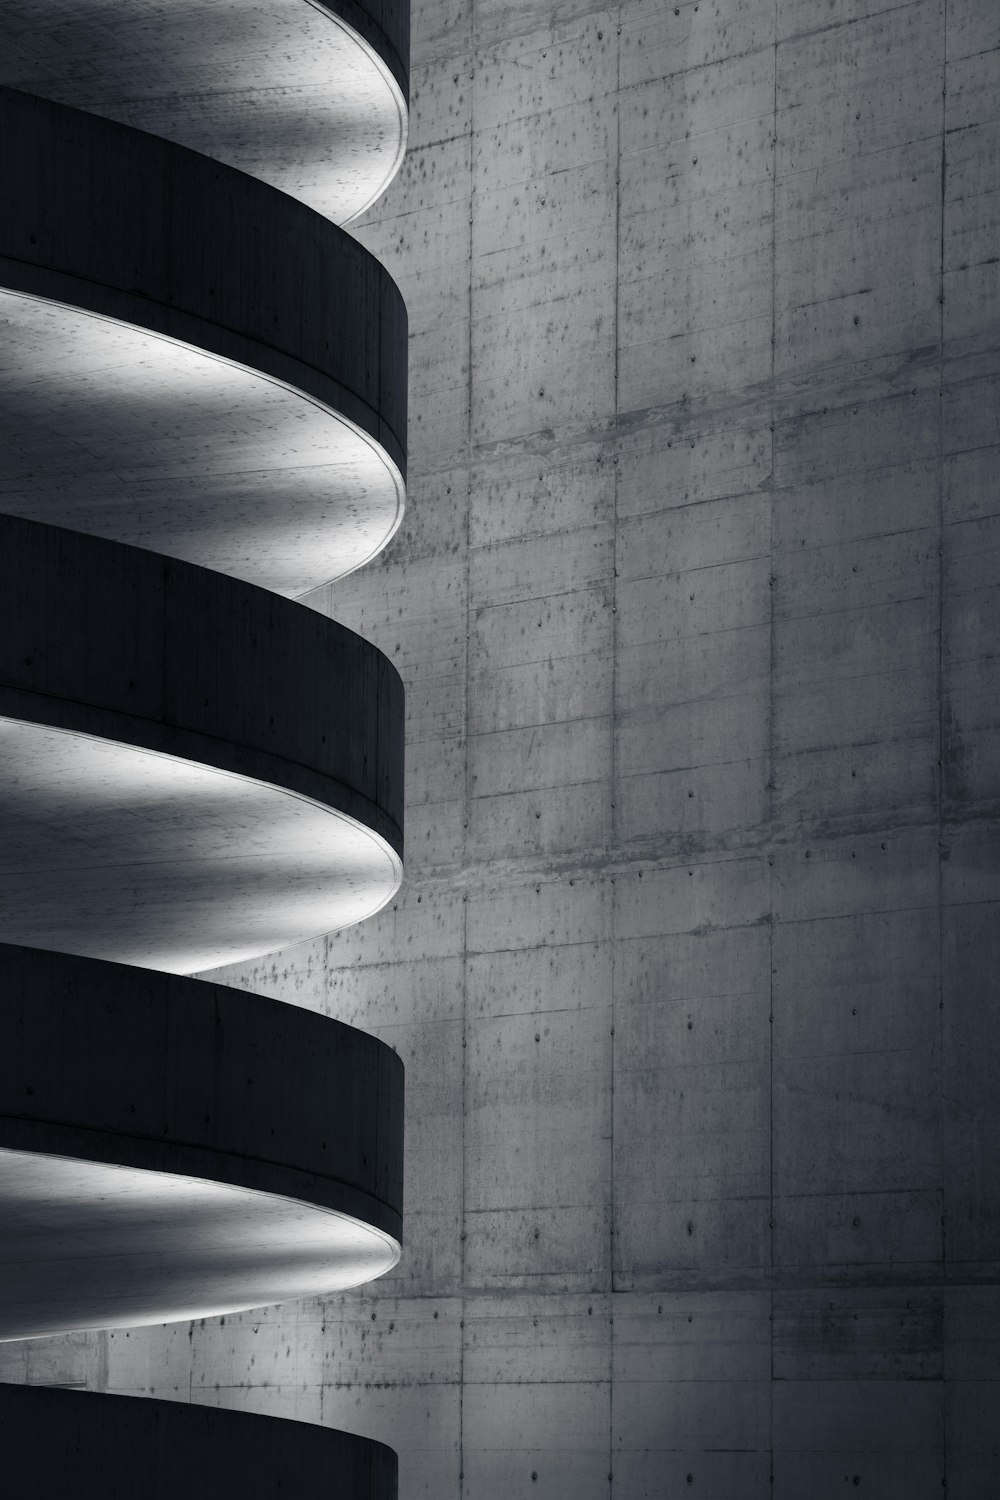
111 430
329 127
88 1245
120 853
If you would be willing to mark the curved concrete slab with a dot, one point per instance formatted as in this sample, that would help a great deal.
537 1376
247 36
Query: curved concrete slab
157 1166
194 770
86 1245
174 1074
125 434
120 853
217 278
58 1442
122 223
309 97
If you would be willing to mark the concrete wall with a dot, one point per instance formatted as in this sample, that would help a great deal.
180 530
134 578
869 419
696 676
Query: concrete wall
696 604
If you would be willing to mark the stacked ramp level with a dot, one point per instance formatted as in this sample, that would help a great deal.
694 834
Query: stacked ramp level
202 419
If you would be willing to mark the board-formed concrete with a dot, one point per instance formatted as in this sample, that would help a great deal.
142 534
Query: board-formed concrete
67 1443
157 1165
308 96
180 307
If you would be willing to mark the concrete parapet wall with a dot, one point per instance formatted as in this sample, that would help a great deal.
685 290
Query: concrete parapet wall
175 1075
119 643
122 223
55 1442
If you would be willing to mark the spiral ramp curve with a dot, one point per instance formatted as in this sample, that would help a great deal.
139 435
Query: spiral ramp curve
202 419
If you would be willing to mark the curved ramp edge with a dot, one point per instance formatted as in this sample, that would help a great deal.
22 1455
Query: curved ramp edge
310 95
59 1442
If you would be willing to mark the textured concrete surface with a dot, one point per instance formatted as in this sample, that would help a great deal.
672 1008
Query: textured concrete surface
55 1443
127 228
147 858
304 94
195 769
126 225
165 1073
694 974
197 457
97 1244
119 643
190 763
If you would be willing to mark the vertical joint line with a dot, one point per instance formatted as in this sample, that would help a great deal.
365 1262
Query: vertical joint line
770 832
613 821
941 735
467 809
612 840
462 1229
469 446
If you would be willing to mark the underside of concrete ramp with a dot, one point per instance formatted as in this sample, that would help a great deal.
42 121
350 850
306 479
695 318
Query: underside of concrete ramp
196 767
308 96
203 383
193 361
697 603
186 1150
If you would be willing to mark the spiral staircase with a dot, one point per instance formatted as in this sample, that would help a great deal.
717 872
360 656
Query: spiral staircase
202 419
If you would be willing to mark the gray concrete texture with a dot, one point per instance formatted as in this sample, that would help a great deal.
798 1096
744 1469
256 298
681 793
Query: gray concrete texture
108 218
694 973
194 361
165 1072
169 657
57 1443
245 81
158 1164
186 748
190 762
